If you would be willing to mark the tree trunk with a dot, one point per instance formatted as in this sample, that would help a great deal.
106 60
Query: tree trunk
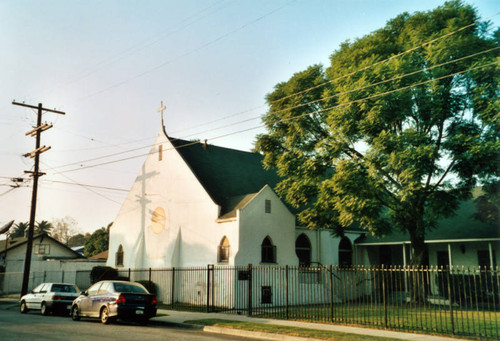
418 285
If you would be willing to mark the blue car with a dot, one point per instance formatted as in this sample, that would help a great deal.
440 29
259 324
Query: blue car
111 300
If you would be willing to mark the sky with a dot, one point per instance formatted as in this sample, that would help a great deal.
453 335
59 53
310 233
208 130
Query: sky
108 64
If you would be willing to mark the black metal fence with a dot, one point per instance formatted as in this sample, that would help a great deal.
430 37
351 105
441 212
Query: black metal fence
454 301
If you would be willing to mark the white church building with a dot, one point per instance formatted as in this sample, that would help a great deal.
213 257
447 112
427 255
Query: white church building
195 204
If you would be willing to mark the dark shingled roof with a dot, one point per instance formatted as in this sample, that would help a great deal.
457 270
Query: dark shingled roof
462 226
228 175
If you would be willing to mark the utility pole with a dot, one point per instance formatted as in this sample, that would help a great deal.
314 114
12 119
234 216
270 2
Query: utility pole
35 132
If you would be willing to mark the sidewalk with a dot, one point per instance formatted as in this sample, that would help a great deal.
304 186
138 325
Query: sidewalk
179 317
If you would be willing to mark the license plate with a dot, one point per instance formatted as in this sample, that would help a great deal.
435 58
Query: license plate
139 312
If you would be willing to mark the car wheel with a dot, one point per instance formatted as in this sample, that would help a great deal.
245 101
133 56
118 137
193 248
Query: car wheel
43 309
105 316
75 316
23 308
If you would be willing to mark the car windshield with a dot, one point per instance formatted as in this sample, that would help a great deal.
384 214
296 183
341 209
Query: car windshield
63 288
129 287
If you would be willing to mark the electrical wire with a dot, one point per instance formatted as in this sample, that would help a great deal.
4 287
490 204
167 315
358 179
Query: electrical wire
133 49
88 188
350 74
296 117
87 185
209 43
305 90
297 106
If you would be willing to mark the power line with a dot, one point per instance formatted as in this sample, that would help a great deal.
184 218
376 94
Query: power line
295 117
305 90
133 49
87 185
387 59
88 188
297 106
211 42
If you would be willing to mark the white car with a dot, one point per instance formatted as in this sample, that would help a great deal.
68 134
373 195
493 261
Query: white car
49 297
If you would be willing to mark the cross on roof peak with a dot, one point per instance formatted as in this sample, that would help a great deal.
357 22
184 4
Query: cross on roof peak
161 110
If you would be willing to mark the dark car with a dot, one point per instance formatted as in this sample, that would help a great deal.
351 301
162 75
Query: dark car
109 300
50 297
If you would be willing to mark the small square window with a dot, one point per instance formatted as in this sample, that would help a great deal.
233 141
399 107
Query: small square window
268 206
42 249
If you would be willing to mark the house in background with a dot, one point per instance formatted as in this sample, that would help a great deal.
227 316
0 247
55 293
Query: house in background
50 261
101 256
461 240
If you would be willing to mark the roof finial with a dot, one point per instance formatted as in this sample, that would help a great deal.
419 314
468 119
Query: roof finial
160 110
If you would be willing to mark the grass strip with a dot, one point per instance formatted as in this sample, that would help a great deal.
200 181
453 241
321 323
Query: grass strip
287 330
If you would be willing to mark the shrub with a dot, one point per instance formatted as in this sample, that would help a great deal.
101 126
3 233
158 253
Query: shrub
150 285
100 273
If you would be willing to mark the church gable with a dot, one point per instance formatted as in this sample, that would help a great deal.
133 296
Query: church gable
266 224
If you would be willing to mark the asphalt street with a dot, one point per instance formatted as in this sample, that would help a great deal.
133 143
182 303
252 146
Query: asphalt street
33 326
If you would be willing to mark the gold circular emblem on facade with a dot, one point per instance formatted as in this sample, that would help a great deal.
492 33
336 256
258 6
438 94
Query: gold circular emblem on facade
158 220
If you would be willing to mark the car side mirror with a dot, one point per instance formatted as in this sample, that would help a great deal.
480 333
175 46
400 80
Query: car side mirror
85 293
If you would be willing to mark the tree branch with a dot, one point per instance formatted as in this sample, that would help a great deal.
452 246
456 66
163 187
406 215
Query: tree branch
444 174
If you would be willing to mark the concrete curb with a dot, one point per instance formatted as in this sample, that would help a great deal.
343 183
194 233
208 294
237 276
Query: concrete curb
238 332
256 335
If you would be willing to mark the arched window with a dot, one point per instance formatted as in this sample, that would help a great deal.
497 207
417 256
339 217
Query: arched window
303 250
345 252
268 251
223 250
119 256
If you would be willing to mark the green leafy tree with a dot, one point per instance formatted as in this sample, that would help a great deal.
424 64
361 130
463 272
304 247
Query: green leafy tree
398 139
78 239
97 242
488 204
18 230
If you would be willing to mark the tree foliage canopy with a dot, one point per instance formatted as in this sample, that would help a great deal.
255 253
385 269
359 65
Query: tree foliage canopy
97 242
396 131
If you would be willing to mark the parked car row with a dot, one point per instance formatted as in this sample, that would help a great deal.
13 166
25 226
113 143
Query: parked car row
105 300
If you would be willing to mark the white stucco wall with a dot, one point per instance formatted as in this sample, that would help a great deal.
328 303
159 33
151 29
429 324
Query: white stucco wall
190 234
255 225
